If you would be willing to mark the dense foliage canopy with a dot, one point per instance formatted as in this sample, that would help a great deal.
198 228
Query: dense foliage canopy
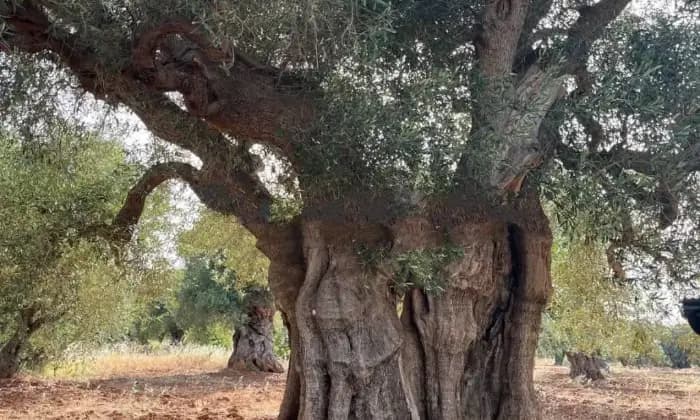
224 275
394 98
54 268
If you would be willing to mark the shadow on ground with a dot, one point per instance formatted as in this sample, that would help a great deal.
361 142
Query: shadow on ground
231 394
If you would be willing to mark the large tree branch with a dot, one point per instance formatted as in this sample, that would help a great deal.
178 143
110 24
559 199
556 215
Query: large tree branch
665 170
243 99
160 115
507 124
587 29
228 180
672 168
233 192
537 11
125 221
29 29
526 55
248 101
497 43
163 118
508 111
520 151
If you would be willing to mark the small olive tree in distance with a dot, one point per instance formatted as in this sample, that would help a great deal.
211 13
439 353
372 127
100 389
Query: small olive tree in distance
226 280
592 317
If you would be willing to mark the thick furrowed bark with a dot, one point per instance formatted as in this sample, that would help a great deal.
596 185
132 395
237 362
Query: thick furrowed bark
478 337
447 325
9 357
289 409
531 290
349 331
10 351
285 276
465 353
252 342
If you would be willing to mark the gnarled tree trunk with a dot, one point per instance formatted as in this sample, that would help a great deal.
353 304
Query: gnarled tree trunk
286 275
9 356
361 351
252 341
589 366
10 352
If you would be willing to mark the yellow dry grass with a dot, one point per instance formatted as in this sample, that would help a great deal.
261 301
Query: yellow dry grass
137 361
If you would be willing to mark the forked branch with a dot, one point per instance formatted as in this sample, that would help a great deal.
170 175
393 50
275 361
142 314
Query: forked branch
226 88
255 112
588 28
123 225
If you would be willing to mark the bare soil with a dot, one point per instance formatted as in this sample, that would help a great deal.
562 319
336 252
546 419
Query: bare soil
186 393
652 394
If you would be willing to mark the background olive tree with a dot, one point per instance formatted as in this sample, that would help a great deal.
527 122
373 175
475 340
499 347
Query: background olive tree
54 269
221 289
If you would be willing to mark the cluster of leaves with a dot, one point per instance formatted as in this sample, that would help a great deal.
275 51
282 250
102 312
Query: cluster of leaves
371 257
382 130
284 209
90 277
422 269
54 270
594 314
208 295
200 306
219 236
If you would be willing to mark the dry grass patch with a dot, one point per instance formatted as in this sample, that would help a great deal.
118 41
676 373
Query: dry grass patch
135 360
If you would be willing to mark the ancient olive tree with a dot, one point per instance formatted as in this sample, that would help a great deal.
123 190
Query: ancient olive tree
586 311
226 279
591 316
417 138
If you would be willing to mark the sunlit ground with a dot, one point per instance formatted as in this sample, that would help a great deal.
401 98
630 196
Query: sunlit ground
628 393
128 383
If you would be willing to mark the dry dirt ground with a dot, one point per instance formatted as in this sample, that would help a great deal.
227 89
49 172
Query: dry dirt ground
205 393
652 394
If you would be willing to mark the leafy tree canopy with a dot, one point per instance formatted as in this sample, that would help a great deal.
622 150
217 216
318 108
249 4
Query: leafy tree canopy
592 313
55 269
221 238
409 101
224 273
